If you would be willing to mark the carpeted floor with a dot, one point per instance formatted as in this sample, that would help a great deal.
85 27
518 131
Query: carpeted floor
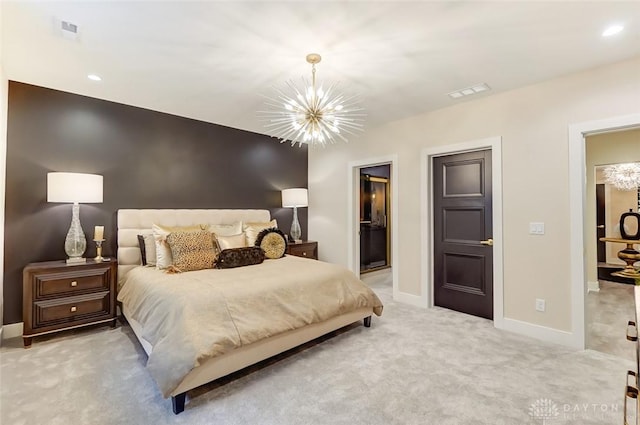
608 312
413 366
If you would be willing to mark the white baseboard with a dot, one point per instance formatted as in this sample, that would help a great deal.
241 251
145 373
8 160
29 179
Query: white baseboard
540 332
415 300
11 331
593 286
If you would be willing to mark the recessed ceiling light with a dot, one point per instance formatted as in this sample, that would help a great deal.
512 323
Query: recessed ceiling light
612 30
94 77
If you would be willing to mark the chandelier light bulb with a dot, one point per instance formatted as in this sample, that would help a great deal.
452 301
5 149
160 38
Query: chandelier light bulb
305 114
623 176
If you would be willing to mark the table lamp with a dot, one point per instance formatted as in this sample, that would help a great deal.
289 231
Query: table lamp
74 188
295 198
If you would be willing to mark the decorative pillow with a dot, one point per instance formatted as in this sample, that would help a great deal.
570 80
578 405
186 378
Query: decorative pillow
191 250
251 230
163 252
230 242
226 229
238 257
147 248
273 242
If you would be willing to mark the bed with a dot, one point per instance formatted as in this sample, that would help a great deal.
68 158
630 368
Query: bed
199 326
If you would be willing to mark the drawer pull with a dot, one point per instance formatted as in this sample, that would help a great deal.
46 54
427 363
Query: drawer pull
74 283
304 254
631 391
633 335
73 309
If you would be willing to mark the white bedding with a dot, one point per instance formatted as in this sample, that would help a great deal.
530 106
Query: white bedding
193 316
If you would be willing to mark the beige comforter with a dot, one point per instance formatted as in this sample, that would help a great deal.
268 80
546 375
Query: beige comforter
193 316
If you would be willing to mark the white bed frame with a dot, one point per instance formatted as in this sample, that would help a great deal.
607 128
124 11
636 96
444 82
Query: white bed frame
131 223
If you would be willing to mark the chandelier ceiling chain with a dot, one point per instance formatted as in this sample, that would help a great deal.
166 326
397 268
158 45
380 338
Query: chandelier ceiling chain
312 115
623 176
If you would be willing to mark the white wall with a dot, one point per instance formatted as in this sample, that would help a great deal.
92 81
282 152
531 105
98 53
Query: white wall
533 123
3 158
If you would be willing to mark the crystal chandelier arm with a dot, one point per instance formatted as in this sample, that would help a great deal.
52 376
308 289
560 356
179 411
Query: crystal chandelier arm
310 114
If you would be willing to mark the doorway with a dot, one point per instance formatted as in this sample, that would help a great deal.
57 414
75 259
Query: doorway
580 227
375 211
353 222
463 232
609 299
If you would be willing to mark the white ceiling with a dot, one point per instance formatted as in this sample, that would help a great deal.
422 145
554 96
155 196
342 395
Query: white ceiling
213 60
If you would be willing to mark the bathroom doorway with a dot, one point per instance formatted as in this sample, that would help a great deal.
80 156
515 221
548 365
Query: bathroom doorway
375 215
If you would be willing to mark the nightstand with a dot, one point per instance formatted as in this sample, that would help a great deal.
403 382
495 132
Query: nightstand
306 249
59 296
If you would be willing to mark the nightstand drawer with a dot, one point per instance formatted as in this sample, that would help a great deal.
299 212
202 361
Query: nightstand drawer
47 285
71 309
308 249
302 251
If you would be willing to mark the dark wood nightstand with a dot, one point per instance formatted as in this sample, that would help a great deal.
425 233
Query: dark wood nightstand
306 249
59 296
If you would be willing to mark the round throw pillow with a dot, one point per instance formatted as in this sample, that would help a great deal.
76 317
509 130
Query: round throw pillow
273 242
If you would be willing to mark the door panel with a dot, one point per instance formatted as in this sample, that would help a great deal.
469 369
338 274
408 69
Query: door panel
463 267
463 225
463 178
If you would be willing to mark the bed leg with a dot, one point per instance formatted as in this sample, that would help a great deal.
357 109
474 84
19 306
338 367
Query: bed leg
367 322
177 402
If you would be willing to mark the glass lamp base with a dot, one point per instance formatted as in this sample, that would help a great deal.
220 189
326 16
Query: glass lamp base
296 231
75 243
76 260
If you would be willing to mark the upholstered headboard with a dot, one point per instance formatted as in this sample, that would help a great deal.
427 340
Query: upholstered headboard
132 222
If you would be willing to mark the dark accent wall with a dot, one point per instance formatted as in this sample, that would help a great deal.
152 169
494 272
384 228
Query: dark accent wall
148 159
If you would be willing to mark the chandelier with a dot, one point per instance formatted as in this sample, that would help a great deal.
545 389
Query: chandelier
309 115
623 176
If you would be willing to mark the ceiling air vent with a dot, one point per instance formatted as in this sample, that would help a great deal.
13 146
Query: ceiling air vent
67 30
468 91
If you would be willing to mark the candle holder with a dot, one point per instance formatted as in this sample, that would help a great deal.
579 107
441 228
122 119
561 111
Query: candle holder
98 249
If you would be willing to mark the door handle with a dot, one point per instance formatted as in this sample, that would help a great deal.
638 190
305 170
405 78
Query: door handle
601 226
488 242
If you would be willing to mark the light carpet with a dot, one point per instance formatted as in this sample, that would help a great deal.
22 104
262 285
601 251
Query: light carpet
607 314
413 366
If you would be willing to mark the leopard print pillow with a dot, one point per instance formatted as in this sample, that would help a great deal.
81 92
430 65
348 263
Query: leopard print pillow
191 250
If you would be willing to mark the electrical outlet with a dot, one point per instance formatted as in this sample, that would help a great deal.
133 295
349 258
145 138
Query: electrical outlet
540 304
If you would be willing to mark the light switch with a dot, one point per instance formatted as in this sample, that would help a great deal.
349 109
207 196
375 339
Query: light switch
536 228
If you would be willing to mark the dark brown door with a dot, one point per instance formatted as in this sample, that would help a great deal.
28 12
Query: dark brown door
463 253
600 220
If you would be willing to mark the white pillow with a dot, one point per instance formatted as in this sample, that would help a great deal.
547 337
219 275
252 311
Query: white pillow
226 229
163 252
251 230
229 242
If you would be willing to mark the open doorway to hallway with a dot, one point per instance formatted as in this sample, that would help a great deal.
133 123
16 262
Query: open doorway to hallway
375 212
610 300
